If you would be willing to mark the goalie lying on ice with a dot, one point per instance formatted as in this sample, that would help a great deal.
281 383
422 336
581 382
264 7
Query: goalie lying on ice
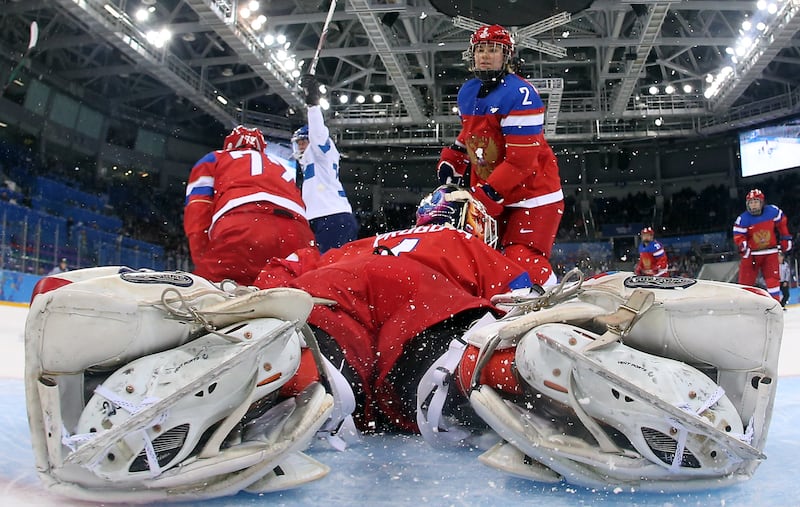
146 386
657 384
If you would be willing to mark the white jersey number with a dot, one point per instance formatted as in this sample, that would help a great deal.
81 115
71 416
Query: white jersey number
256 164
524 90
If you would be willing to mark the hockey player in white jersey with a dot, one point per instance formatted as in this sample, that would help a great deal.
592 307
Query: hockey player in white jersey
327 208
654 384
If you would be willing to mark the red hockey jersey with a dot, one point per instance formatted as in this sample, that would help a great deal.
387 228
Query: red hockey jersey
382 303
461 257
223 180
762 234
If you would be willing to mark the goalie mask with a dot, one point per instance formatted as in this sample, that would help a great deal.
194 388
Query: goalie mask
490 38
755 201
243 138
450 204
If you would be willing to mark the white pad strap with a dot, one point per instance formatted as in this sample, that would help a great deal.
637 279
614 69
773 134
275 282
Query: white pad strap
437 380
152 458
683 433
340 430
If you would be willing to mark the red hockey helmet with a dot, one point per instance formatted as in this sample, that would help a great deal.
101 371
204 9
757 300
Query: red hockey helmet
242 138
490 34
754 201
647 234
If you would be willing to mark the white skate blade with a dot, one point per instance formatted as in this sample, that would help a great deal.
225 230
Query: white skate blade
697 424
535 436
293 471
507 458
569 457
86 453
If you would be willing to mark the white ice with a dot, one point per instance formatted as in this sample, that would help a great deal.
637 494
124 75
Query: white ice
398 471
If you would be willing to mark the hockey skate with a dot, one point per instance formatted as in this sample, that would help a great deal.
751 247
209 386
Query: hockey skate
653 384
182 380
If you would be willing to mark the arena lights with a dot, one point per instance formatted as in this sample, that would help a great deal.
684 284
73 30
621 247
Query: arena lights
754 37
143 14
158 38
276 44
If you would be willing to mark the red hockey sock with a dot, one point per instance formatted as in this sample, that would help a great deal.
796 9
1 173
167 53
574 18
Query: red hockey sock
306 374
498 372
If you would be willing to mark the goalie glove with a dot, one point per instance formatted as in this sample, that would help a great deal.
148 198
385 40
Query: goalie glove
453 164
491 200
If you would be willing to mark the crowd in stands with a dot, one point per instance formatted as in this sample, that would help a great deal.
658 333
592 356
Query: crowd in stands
153 215
52 210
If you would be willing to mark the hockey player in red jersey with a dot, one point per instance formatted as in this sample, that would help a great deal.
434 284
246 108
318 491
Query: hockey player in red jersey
760 233
502 153
652 257
242 207
400 298
451 235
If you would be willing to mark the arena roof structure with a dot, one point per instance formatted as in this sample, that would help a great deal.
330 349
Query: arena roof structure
609 70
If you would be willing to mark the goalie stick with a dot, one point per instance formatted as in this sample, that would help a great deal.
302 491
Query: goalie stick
32 41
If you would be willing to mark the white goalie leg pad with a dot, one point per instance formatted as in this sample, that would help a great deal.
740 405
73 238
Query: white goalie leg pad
122 316
682 429
698 321
136 440
105 321
732 328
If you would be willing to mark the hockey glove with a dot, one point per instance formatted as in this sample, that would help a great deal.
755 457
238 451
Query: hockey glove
744 250
491 200
786 245
453 164
309 86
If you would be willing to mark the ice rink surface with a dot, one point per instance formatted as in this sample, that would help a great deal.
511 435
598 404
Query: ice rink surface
398 471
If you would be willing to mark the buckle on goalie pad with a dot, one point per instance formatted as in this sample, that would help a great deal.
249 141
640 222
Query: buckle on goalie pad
619 323
539 298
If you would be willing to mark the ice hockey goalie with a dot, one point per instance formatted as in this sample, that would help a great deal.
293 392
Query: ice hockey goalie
638 382
150 386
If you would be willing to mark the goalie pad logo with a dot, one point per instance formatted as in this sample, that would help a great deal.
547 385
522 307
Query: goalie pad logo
658 282
176 279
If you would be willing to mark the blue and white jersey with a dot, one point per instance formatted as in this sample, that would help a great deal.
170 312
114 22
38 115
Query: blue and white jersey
502 132
323 193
